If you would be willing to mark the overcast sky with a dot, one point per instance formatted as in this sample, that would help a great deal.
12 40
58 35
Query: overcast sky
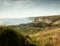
28 8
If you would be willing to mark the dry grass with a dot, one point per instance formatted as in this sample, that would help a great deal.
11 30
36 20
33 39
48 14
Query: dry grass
47 38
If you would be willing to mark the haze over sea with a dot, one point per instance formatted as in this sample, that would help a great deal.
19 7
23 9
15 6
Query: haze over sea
14 21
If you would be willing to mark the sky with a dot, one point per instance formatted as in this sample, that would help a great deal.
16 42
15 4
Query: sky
28 8
11 11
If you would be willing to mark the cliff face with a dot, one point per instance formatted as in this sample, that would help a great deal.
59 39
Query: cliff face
50 20
45 21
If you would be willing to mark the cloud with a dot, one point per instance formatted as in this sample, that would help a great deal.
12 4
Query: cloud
28 8
11 4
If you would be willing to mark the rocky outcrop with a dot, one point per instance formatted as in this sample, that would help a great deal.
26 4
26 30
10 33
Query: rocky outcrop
45 21
50 20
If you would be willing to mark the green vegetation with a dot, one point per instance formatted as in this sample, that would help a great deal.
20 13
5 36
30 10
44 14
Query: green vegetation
12 37
47 38
42 31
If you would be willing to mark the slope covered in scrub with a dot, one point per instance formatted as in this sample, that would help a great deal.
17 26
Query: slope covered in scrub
12 37
47 38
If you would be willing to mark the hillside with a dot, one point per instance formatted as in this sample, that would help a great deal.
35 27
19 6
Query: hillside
39 24
45 21
48 38
42 31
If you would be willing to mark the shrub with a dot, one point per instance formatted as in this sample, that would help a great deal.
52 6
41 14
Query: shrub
12 37
9 37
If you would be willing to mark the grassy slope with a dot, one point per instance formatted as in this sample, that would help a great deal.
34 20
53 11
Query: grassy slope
47 38
14 37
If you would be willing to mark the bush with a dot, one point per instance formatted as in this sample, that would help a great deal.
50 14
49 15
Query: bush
9 37
12 37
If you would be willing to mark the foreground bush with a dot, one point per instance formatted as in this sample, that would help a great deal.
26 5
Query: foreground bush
12 37
9 37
